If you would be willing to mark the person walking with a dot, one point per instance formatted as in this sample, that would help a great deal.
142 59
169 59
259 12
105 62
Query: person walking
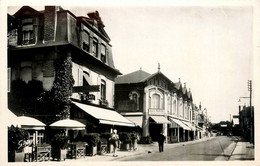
161 139
114 140
133 141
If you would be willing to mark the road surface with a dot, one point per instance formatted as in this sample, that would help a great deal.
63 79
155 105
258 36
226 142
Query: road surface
218 148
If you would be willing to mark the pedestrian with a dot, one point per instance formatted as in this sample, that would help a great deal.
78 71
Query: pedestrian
133 141
161 139
114 140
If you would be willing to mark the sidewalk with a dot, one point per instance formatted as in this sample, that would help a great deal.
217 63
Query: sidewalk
142 149
243 151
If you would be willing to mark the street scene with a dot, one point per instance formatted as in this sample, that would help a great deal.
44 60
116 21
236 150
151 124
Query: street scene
140 83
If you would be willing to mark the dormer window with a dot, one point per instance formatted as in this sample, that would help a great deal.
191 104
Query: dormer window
28 36
95 47
85 44
103 53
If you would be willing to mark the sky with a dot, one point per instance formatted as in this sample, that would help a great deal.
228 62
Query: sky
208 47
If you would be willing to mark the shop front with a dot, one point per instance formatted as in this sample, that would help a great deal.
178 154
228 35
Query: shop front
157 125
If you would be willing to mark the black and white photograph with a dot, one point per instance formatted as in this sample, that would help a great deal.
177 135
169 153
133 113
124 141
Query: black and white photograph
121 82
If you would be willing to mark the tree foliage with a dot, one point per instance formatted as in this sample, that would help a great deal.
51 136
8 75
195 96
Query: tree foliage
47 106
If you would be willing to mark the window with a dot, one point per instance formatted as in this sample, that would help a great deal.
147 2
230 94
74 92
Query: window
155 101
27 31
103 90
40 137
103 53
9 79
95 47
85 38
135 97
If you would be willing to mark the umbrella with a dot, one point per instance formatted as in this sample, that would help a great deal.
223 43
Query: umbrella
68 124
30 123
12 119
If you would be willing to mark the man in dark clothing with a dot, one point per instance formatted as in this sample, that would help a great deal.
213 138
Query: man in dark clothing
161 139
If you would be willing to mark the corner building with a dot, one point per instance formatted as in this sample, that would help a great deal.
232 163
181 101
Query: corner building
156 104
36 39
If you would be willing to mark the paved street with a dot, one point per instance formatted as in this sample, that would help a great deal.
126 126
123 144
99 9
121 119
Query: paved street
218 148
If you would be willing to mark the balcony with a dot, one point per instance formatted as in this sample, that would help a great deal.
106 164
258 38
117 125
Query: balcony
156 111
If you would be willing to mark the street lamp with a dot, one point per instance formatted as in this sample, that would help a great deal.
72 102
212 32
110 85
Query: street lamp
205 109
251 110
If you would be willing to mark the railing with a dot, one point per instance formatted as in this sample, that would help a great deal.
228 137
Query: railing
156 111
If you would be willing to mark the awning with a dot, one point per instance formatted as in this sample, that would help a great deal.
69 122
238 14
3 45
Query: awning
137 120
180 123
68 124
189 125
160 119
105 116
199 128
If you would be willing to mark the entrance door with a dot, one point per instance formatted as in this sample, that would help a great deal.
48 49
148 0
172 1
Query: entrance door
155 130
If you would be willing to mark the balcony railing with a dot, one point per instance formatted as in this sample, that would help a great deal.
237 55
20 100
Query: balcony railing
156 111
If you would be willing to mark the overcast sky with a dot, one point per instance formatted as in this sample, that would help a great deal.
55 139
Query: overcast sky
209 48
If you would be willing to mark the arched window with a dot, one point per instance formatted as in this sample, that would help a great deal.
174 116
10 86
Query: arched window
135 97
155 101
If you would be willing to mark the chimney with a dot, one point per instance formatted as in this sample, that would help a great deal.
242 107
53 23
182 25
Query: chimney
50 23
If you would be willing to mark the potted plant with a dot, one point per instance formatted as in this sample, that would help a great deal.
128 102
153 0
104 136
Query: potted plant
125 139
59 145
17 139
92 140
105 138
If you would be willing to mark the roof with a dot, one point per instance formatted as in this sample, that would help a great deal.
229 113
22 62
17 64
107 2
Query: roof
177 85
134 77
27 10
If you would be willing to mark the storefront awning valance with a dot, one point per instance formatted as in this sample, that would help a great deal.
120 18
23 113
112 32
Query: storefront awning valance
68 124
137 120
180 123
190 125
160 119
105 116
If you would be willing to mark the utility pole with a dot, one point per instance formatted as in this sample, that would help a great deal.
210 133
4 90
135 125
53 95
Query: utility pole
251 111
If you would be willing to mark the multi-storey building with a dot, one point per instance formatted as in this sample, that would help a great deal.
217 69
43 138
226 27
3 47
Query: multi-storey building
156 104
39 39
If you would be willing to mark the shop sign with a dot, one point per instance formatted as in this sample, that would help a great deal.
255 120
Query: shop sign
90 97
